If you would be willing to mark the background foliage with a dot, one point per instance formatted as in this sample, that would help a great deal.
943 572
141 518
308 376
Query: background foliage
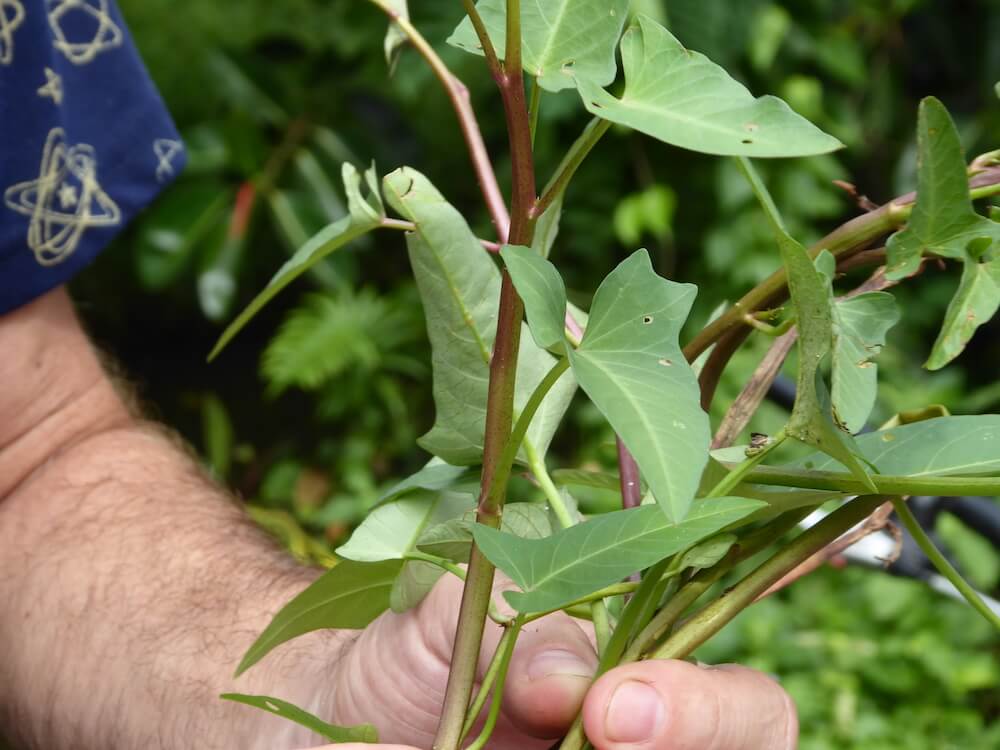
314 409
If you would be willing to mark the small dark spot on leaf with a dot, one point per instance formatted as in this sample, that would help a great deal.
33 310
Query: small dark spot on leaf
597 105
666 362
747 140
751 127
647 319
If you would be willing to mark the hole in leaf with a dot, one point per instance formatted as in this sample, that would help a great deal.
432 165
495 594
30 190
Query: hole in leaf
271 707
888 437
666 362
597 105
647 319
747 140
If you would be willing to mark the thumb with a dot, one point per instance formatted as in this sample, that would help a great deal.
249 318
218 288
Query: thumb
673 705
550 671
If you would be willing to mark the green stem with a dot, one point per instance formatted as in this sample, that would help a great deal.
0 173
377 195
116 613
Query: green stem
593 133
489 51
614 589
944 567
556 502
602 624
506 462
737 475
489 679
491 719
703 580
716 615
885 484
575 738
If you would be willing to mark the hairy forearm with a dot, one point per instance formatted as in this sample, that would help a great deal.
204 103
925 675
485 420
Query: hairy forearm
130 585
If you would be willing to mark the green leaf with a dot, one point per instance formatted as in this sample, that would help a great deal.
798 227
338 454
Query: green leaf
812 419
395 37
453 538
543 292
860 326
683 98
435 475
632 368
577 561
975 303
966 446
331 732
348 596
547 227
390 532
943 221
413 583
365 215
708 553
563 41
459 284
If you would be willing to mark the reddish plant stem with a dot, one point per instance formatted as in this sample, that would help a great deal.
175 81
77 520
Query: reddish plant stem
500 396
628 473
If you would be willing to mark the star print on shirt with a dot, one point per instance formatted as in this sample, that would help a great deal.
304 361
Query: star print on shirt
81 47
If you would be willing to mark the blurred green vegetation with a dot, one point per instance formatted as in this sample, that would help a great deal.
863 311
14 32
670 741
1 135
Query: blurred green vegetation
315 407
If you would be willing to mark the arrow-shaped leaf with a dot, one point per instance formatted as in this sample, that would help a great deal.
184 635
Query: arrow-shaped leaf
683 98
577 561
632 368
562 40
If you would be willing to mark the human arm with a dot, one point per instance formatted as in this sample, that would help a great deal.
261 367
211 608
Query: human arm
132 585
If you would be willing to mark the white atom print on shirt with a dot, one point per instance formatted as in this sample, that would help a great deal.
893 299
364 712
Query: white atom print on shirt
102 33
11 16
64 201
166 151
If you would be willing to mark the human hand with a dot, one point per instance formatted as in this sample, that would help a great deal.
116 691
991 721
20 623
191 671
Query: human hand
394 676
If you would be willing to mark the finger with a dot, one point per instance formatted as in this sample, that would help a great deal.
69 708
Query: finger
673 705
550 672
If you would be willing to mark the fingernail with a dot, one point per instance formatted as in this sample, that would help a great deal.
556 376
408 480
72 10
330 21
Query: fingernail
635 713
558 663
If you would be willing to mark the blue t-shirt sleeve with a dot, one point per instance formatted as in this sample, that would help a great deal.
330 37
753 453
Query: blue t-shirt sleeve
85 140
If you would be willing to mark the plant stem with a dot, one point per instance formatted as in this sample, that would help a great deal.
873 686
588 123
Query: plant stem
583 145
613 590
944 567
491 719
738 474
847 239
703 580
489 51
534 107
602 625
537 465
628 473
489 679
462 104
476 595
886 484
716 615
